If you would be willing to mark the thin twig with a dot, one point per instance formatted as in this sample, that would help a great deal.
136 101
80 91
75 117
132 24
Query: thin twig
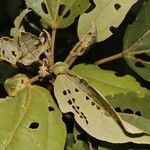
120 55
34 79
131 52
108 59
139 60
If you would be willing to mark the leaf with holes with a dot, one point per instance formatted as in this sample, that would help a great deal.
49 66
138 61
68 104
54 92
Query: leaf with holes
91 109
135 106
126 93
26 50
56 13
31 47
31 120
107 82
107 14
136 40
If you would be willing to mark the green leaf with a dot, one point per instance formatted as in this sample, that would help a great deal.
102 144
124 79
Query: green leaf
136 40
137 107
56 13
106 14
31 120
106 82
137 121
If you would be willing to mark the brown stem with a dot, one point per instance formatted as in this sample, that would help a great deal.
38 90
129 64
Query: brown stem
53 46
107 59
34 79
120 55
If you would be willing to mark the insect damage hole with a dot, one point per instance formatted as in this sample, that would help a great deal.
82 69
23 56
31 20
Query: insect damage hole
34 125
139 64
129 111
70 102
44 8
64 92
73 99
66 14
87 98
92 103
97 107
118 109
76 90
61 9
86 121
69 91
117 6
50 108
138 113
22 81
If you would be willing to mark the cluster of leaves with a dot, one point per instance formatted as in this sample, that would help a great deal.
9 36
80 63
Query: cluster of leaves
30 114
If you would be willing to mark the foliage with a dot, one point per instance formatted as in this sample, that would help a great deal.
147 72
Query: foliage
37 112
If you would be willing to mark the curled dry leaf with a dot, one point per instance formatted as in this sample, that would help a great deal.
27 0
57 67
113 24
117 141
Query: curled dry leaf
26 50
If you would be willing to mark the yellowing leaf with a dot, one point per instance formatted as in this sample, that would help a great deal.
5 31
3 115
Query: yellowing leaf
106 15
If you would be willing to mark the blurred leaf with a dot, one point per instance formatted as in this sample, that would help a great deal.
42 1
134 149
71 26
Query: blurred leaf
6 71
69 141
15 31
79 143
137 39
56 13
31 120
106 15
106 82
